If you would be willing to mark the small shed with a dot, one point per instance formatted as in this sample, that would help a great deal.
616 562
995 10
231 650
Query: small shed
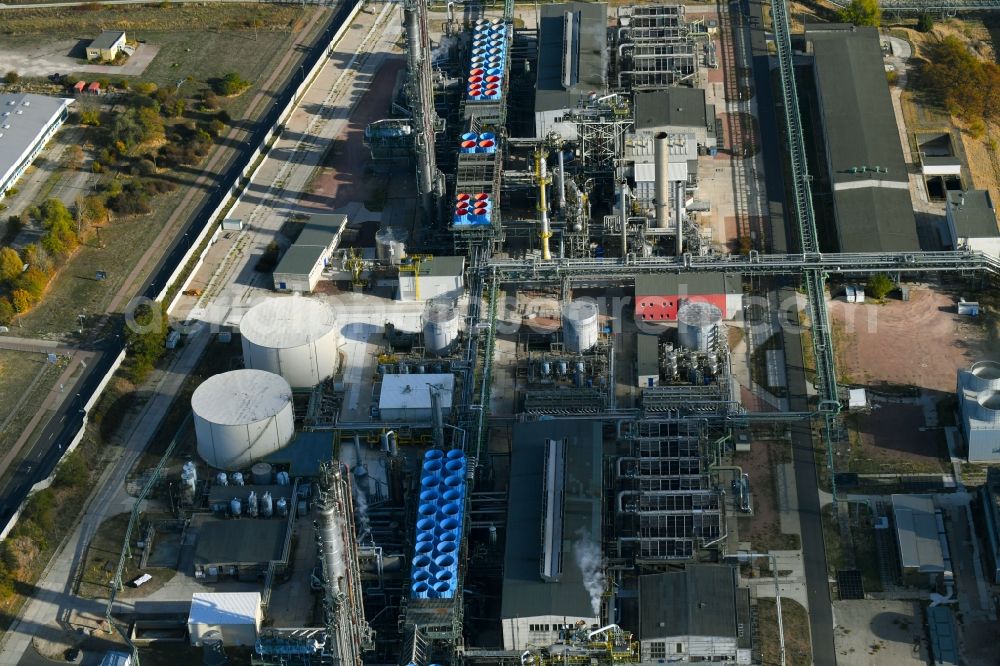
94 88
107 46
236 616
968 308
79 86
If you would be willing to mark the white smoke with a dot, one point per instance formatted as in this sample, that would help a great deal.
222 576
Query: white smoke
591 563
440 52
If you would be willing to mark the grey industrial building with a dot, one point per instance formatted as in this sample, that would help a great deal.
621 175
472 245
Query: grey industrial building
107 46
864 157
556 510
979 410
923 545
572 62
989 502
676 110
302 265
972 221
698 614
439 277
27 122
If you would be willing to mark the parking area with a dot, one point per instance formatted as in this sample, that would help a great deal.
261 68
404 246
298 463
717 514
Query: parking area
50 57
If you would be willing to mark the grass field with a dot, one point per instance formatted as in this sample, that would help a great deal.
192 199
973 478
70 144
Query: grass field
22 382
102 561
223 44
798 648
18 369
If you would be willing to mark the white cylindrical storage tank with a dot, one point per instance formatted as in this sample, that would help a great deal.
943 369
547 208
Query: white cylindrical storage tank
296 338
697 325
985 375
390 245
441 321
580 326
241 417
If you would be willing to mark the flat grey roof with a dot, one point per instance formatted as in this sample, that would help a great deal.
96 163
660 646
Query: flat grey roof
25 118
305 453
647 351
524 592
917 533
943 635
677 106
321 229
701 600
860 128
442 266
107 39
590 55
299 259
693 284
973 214
238 541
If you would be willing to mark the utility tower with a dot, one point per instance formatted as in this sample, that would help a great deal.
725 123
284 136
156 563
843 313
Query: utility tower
420 89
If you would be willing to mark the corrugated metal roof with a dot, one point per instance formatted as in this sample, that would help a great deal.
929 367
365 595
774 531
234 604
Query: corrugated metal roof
215 608
676 106
24 118
524 592
699 601
917 533
106 39
973 214
591 54
692 284
860 131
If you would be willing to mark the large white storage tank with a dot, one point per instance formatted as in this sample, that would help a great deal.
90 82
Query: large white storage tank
241 417
441 323
295 337
697 325
580 326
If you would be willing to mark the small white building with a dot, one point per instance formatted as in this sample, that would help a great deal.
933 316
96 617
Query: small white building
439 277
408 397
303 264
107 46
972 221
698 614
236 616
27 122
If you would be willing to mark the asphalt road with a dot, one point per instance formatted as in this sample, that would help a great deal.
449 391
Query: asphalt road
807 485
803 458
41 459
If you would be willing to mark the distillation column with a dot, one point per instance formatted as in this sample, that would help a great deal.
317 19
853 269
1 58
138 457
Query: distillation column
421 95
661 166
544 230
348 633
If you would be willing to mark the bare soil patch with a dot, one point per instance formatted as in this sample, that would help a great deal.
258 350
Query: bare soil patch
920 343
763 528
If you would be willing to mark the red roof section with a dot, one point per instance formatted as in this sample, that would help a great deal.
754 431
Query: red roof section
79 86
94 87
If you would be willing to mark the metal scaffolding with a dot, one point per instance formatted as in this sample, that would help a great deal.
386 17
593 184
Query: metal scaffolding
654 47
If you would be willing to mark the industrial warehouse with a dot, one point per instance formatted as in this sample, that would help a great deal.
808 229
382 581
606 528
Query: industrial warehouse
547 400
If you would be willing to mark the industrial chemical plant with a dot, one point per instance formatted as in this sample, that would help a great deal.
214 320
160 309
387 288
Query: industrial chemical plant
504 433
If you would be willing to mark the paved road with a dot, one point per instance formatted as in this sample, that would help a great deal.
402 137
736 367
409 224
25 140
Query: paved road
810 518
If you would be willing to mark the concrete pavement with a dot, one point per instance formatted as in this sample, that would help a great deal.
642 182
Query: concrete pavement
44 615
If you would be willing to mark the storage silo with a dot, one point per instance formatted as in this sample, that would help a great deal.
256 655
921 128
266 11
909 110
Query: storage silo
441 322
296 338
390 245
241 417
697 325
580 326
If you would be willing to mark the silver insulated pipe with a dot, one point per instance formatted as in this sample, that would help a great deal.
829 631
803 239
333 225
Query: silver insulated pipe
661 194
562 182
623 205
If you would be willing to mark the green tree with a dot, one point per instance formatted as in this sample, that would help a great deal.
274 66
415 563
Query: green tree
72 471
925 23
862 12
146 335
11 77
879 286
231 84
34 282
10 265
7 311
